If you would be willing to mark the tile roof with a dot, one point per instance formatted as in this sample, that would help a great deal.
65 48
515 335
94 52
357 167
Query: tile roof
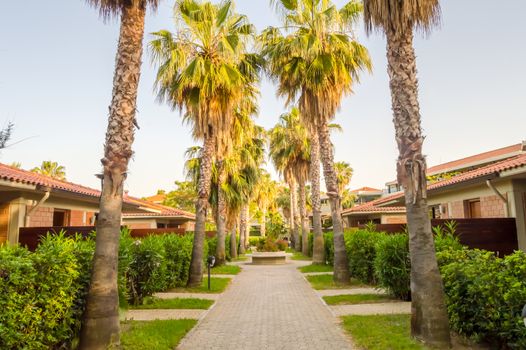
25 177
366 189
477 159
154 209
492 169
156 198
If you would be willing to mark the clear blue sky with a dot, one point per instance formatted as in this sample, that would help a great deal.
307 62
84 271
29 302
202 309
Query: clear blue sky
56 69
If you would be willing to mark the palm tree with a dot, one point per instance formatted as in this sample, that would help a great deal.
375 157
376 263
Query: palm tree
397 20
205 72
51 169
316 63
344 174
290 152
265 193
101 321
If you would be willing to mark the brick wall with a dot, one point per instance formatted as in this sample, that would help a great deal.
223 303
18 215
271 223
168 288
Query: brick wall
41 217
138 225
457 210
76 218
394 219
492 207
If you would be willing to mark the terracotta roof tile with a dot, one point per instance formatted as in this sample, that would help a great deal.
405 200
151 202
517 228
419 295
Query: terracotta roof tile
494 155
156 209
366 189
496 168
29 178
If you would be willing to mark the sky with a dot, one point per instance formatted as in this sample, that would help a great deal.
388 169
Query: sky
56 69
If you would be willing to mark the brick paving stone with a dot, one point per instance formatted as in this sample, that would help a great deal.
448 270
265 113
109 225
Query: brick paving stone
172 295
350 291
163 314
268 307
372 309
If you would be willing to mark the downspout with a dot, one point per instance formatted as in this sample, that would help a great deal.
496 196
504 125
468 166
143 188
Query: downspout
502 198
42 200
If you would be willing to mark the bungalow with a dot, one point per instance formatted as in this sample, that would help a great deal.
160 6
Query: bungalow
366 194
487 185
28 199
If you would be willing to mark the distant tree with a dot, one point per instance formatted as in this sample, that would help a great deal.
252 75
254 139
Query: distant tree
344 174
183 197
5 135
51 169
17 165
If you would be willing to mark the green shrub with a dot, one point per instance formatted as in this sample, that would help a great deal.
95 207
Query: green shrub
212 247
310 248
253 241
485 296
178 254
361 251
282 244
392 265
42 293
328 244
267 245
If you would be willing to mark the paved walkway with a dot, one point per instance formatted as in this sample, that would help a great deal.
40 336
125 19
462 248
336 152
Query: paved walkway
268 307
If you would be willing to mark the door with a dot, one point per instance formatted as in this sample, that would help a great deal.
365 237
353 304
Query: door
474 209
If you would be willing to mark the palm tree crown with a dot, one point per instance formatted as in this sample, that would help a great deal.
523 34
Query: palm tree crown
108 8
318 60
204 70
401 16
51 169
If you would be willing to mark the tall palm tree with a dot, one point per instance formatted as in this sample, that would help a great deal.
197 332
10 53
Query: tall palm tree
101 320
203 71
344 174
51 169
290 152
316 63
265 194
397 20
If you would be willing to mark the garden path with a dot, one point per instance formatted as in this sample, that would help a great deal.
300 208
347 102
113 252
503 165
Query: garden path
268 307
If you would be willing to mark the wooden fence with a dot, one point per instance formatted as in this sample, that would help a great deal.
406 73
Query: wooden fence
494 234
30 236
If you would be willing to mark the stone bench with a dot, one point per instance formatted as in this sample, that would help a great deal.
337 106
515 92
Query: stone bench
269 258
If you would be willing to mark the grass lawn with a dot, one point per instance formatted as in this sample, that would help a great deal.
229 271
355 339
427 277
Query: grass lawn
241 258
217 285
316 268
176 303
299 256
154 335
225 270
380 332
358 299
326 282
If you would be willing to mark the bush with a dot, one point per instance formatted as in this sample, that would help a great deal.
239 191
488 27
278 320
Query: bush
361 251
310 248
328 244
267 245
212 247
282 244
485 296
42 293
253 241
392 265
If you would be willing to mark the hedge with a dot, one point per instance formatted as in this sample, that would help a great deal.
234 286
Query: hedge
42 294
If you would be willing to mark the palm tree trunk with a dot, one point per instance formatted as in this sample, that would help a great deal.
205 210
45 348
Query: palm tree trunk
247 228
233 243
263 228
101 319
291 214
341 263
429 321
203 192
296 216
318 254
304 219
242 229
221 219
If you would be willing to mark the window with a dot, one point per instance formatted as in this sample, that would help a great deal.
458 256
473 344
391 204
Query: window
60 217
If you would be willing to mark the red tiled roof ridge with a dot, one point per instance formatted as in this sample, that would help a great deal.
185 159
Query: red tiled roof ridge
366 188
474 158
164 210
506 164
28 177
